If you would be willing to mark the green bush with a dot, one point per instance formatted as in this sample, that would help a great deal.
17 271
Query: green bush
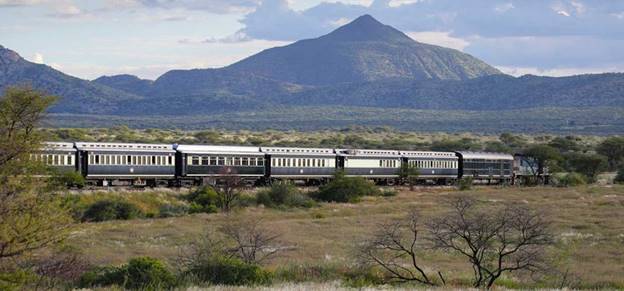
204 200
110 210
346 189
389 193
71 179
142 273
464 183
283 194
229 271
619 178
571 180
173 210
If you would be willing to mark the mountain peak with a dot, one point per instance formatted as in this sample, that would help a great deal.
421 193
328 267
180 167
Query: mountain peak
8 56
366 28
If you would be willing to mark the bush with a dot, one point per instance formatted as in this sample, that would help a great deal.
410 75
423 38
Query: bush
464 183
110 210
571 180
619 178
229 271
389 193
204 200
346 189
283 194
71 179
173 210
140 273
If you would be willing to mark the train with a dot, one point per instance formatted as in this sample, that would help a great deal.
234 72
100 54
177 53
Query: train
176 165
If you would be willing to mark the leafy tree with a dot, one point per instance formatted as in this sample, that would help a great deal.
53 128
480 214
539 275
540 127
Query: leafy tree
70 179
31 216
565 144
206 199
454 145
619 178
589 165
613 149
497 147
539 156
409 174
512 141
110 210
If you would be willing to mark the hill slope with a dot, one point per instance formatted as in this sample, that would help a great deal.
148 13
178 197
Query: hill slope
363 50
76 95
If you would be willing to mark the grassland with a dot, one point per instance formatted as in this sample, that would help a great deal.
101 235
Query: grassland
587 223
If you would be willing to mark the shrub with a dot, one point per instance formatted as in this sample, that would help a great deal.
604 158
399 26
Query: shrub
229 271
571 180
389 193
204 200
111 209
619 178
346 189
173 210
71 179
140 273
283 194
464 183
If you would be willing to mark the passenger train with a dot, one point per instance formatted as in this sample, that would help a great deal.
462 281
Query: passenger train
130 164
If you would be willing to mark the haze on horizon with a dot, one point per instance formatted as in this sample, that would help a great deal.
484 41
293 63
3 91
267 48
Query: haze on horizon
91 38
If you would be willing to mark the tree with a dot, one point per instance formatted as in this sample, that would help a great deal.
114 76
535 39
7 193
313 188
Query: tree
539 156
409 174
513 238
251 241
565 144
30 216
229 188
613 149
619 178
513 141
393 248
589 165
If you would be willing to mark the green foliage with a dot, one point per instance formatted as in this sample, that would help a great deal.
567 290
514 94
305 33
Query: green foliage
110 210
464 183
15 279
283 194
497 147
346 189
454 145
389 193
542 156
72 179
613 149
141 273
229 271
619 178
571 180
205 200
565 144
589 165
173 210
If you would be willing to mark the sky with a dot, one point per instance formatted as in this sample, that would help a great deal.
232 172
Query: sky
91 38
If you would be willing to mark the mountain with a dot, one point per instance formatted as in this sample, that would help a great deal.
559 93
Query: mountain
128 83
363 50
76 95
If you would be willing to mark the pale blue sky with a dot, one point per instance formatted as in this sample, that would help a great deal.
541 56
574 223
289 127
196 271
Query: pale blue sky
89 38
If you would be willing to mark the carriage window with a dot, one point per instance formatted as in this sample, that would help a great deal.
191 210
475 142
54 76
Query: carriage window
153 160
260 161
244 161
134 160
170 160
195 161
252 162
205 161
97 159
221 161
237 161
213 161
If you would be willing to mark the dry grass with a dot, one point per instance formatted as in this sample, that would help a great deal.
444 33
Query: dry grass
588 222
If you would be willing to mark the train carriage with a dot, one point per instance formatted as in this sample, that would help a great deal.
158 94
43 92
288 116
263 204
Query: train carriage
486 167
206 163
122 164
304 164
439 167
378 165
59 156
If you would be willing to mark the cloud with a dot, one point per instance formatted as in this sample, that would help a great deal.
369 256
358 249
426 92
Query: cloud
38 58
67 10
233 38
14 3
213 6
439 38
559 72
